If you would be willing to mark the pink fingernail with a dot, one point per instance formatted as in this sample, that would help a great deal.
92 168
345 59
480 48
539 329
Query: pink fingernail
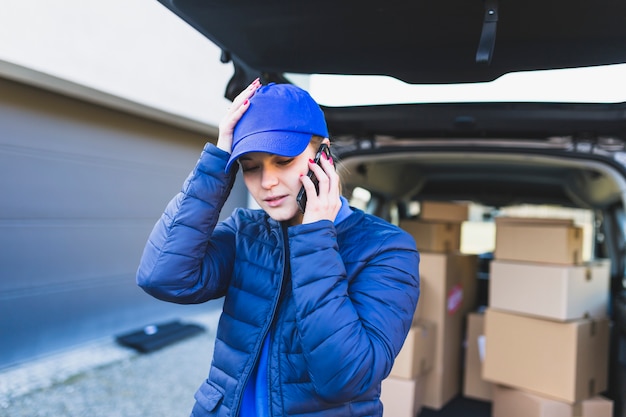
245 103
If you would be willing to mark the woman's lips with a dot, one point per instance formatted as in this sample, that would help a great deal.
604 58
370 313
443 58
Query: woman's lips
275 201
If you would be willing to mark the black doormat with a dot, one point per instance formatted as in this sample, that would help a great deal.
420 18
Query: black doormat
156 336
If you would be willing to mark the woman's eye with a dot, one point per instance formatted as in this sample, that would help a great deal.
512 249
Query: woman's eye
249 168
285 161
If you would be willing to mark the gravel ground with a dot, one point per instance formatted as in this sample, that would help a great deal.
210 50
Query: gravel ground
107 380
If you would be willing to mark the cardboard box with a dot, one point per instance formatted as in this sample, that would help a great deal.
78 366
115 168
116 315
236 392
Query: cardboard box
555 241
418 352
566 361
474 386
597 407
558 292
402 397
434 236
444 211
448 284
510 402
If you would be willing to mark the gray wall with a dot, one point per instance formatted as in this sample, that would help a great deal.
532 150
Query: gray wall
80 189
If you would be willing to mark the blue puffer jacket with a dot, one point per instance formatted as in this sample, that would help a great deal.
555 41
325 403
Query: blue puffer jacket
337 301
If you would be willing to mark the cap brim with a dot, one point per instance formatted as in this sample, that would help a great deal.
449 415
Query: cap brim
276 142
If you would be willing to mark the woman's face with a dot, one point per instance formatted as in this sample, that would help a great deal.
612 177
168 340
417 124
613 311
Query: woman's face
274 182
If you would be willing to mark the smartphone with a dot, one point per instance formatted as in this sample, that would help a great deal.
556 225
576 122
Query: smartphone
301 199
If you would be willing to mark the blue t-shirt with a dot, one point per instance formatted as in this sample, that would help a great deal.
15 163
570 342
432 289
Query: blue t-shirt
255 401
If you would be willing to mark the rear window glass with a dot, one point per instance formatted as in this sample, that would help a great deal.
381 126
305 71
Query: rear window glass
601 84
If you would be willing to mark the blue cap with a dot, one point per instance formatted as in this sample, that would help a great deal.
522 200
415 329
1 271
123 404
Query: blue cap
281 119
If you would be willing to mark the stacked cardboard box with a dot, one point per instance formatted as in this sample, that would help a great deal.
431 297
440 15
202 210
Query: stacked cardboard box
402 397
546 329
403 391
556 241
448 291
418 352
438 227
510 402
474 386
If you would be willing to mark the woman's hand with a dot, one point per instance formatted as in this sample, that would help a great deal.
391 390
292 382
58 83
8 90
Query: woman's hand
230 119
326 204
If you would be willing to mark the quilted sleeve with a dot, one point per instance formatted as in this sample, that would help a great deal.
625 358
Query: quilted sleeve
188 256
352 327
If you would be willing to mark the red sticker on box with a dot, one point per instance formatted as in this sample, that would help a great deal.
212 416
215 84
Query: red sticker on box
455 298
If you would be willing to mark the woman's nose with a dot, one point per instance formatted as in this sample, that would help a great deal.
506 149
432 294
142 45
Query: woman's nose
269 178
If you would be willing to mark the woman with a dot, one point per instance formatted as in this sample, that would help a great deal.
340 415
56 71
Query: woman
317 304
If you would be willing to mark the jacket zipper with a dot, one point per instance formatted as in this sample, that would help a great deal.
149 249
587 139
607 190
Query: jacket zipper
267 329
286 275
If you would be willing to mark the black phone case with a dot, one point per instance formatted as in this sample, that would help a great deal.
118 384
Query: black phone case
301 198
